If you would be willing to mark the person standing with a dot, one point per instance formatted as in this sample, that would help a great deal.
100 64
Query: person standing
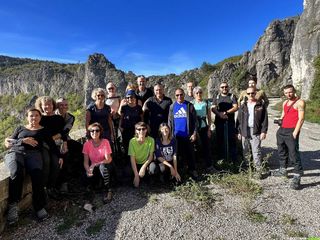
293 111
182 121
156 109
260 94
189 95
252 127
224 106
143 93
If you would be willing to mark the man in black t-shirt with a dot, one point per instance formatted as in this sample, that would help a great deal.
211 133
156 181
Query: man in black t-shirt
224 106
156 109
143 93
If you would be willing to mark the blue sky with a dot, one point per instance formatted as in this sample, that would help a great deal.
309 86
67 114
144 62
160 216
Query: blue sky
144 36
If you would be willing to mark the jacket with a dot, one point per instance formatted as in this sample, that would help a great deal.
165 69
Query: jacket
260 122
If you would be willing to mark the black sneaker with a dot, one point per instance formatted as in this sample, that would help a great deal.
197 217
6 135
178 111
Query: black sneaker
295 183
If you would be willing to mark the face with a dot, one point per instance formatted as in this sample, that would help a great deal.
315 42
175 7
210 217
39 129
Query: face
190 87
179 94
198 95
251 92
131 99
165 131
224 88
141 81
47 107
63 107
95 132
33 117
289 93
141 131
100 96
158 91
111 88
252 84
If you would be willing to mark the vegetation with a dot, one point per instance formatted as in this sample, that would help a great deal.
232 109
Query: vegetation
95 227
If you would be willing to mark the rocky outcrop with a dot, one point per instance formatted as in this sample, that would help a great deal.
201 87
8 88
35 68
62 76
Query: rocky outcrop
98 72
269 60
306 46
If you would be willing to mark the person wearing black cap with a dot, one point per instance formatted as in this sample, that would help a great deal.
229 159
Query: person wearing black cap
130 114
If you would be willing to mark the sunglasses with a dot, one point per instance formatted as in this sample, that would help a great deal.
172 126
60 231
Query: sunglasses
100 95
251 93
110 88
129 97
198 92
179 95
141 129
224 87
94 130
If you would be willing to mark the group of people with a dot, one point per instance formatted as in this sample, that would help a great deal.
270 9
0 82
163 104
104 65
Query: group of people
158 138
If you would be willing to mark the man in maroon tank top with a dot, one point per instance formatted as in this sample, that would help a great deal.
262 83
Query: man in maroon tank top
293 110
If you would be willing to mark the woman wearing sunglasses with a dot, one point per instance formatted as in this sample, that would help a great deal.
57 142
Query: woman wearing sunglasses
141 149
97 159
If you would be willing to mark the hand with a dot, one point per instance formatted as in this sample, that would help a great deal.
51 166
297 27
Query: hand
64 148
90 170
60 162
263 136
177 176
193 137
142 171
239 136
136 181
294 134
223 115
30 141
8 142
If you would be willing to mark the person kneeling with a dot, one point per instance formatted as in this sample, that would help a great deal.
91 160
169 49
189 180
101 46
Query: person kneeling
141 149
97 159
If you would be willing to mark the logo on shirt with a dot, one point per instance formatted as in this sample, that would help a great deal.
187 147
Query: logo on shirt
181 113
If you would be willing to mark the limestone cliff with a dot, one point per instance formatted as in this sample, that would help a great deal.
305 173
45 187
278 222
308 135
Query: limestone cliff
306 46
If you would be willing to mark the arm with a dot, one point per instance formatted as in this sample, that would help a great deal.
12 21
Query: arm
209 121
233 109
301 112
194 120
136 179
175 165
264 128
110 123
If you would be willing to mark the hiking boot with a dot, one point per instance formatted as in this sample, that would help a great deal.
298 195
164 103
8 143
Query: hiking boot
12 216
42 214
295 183
282 172
107 198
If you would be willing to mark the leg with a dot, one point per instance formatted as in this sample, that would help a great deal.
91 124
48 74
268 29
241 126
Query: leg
256 150
282 149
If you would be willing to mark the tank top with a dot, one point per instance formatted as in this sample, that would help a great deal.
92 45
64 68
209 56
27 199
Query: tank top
290 118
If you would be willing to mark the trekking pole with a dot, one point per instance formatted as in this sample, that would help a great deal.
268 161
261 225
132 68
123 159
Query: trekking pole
226 141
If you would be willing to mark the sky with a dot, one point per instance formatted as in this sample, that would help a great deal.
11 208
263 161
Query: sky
150 37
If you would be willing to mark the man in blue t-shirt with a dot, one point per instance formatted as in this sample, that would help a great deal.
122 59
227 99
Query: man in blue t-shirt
182 121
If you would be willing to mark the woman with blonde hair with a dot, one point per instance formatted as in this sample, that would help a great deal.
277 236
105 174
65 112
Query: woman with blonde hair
99 111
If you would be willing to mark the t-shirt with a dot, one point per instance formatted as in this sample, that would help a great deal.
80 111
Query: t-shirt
157 112
143 96
201 109
224 103
251 113
97 154
142 151
101 116
131 116
180 119
166 151
54 124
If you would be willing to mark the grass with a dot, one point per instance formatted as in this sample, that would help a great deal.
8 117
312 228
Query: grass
71 217
288 220
255 216
240 183
96 227
296 233
195 192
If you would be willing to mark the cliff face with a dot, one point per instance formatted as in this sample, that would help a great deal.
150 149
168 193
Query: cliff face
269 60
306 46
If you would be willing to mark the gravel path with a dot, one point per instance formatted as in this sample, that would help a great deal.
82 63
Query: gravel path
157 214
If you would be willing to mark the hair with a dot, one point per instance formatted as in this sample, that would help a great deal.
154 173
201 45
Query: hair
289 86
96 91
197 89
141 76
252 77
224 82
179 88
141 124
33 109
41 100
159 84
159 131
131 86
60 100
96 124
115 87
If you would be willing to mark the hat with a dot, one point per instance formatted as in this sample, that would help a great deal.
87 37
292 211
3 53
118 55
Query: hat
130 93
